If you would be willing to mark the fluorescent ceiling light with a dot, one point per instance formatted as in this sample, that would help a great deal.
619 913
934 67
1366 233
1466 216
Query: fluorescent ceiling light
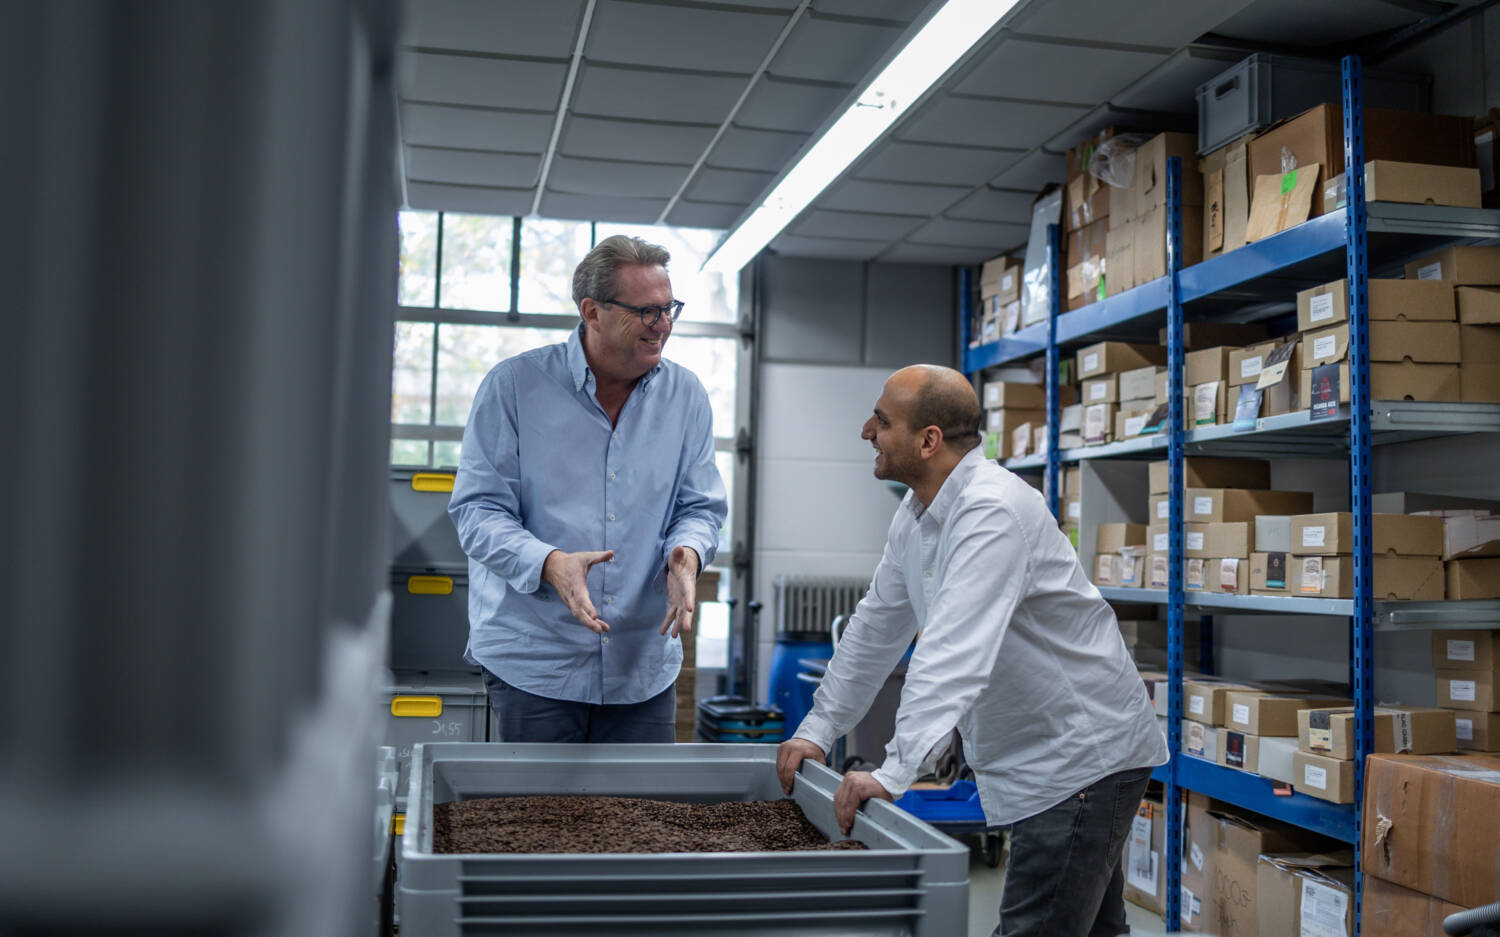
944 39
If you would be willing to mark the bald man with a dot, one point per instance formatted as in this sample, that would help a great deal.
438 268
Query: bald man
1017 651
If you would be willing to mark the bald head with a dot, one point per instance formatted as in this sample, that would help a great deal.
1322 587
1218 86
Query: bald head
937 396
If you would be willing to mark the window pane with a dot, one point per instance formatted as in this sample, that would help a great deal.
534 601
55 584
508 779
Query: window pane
476 262
709 297
408 452
714 360
467 352
726 463
712 642
411 374
418 257
445 454
549 252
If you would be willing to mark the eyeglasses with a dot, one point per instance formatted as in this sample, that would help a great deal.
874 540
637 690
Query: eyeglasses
650 314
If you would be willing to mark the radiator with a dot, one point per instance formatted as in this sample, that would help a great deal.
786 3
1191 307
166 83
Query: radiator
810 603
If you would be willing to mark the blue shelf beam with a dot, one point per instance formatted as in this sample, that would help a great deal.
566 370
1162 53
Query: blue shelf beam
1023 343
1253 792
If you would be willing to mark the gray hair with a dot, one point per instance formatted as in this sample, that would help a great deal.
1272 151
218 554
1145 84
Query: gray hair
596 275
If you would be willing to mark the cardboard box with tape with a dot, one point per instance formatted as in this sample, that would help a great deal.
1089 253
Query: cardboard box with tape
1399 730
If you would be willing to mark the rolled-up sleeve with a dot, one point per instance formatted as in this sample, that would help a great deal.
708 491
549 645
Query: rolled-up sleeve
700 508
486 502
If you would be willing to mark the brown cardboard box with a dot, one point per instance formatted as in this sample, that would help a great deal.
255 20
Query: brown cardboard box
1139 383
1103 389
1261 713
1156 570
1150 242
1142 864
1432 822
1000 277
1114 357
1237 750
1270 576
1131 422
1401 381
1477 305
1104 568
1212 505
1119 263
1410 578
1394 534
1481 344
1007 394
1206 364
1423 342
1006 419
1199 335
1461 266
1219 539
1114 537
1325 778
1245 363
1473 690
1475 578
1479 383
1203 699
1388 910
1086 201
1238 847
1282 200
1199 842
1157 509
1479 732
1305 893
1403 730
1216 574
1226 196
1328 305
1208 472
1207 405
1086 252
1071 480
1150 189
1098 423
1409 183
1156 538
1466 650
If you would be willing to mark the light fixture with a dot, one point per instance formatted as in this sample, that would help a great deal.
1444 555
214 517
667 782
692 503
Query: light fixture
943 40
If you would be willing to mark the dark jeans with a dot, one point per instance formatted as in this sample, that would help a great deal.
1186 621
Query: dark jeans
1064 878
526 717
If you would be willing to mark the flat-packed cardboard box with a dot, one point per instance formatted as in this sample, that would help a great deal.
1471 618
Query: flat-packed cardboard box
1476 578
1070 417
1273 533
1473 690
1270 573
1399 730
1217 574
1200 841
1211 505
1461 266
1009 394
1481 344
1114 537
1282 200
1203 699
1479 383
1209 472
1325 778
1200 740
1119 259
1226 196
1409 183
1432 822
1477 305
1404 380
1206 364
1156 538
1264 713
1389 910
1114 357
1389 300
1332 534
1139 383
1104 389
1143 866
1466 650
1409 578
1149 234
1422 342
1098 423
1000 277
1245 363
1238 846
1479 732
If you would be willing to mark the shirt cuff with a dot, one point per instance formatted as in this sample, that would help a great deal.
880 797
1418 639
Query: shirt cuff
818 731
532 556
896 780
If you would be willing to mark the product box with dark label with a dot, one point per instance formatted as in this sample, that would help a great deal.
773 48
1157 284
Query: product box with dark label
1207 472
1461 266
1399 730
1114 357
1145 872
1263 713
1242 504
1473 690
1478 732
1306 893
1394 534
1408 578
1269 574
1325 778
1466 650
1432 822
1238 750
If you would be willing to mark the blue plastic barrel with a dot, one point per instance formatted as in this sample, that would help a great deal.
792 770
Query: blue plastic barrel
792 695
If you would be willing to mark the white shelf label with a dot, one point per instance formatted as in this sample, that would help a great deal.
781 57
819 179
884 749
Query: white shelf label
1163 510
1320 308
1325 345
1195 540
1195 705
1465 729
1461 650
1075 508
1250 367
1313 776
1097 391
1203 505
1323 910
1461 690
1159 543
1091 362
1241 715
1313 536
1433 271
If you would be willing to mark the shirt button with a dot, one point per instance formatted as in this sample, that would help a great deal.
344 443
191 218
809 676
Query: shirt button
611 517
611 476
605 640
927 573
609 600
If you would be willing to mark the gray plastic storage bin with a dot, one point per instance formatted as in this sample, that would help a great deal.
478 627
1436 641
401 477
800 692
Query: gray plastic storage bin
430 620
912 881
387 776
422 534
421 708
1266 88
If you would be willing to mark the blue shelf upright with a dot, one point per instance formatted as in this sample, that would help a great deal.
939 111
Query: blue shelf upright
1054 275
1173 794
965 312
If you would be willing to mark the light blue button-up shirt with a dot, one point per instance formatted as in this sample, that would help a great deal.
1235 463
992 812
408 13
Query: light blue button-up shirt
542 469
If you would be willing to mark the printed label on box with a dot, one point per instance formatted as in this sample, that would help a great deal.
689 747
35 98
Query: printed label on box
1323 910
1461 650
1106 568
1320 308
1313 776
1403 741
1129 570
1141 871
1234 749
1461 690
1097 391
1241 714
1196 736
1195 705
1312 574
1432 271
1095 421
1313 536
1203 505
1205 401
1195 573
1325 346
1250 367
1164 510
1159 571
1465 729
1091 361
1197 856
1276 571
1134 425
1075 508
1159 543
1229 574
1323 394
1190 904
1195 540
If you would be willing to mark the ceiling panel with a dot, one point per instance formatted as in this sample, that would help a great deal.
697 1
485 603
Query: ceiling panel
897 161
829 248
476 200
897 11
1044 70
771 4
1033 171
824 48
727 185
601 208
968 233
987 122
762 150
466 79
471 128
690 214
612 177
781 104
607 91
1315 22
991 204
1172 86
473 167
853 224
537 30
890 197
933 254
1140 22
681 37
637 140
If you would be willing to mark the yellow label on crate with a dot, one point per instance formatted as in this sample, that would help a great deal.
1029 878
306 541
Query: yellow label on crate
426 707
398 823
432 481
430 585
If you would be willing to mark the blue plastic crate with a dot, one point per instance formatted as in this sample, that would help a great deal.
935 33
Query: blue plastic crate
950 805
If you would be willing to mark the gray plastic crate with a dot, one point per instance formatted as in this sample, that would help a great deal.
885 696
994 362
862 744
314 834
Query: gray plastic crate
430 620
912 881
387 776
422 534
421 708
1264 88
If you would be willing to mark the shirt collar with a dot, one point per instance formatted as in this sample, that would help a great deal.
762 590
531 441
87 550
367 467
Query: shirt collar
578 363
951 487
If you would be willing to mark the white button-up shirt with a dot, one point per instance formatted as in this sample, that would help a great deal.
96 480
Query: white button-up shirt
1018 651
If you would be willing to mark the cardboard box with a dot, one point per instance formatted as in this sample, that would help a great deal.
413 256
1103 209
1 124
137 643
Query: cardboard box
1098 423
1388 300
1422 342
1274 757
1466 650
1479 383
1409 183
1325 778
1070 417
1086 259
1282 200
1207 405
1479 732
1104 389
1400 381
1142 863
1238 750
1139 383
1306 893
1477 305
1389 910
1200 740
1221 539
1262 713
1206 364
1270 573
1400 730
1208 472
1332 534
1009 394
1072 480
1273 533
1416 502
1119 258
1197 336
1239 844
1130 423
1477 578
1245 363
1226 196
1004 421
1461 266
1431 823
1480 344
1114 537
1086 201
1000 277
1472 690
1114 357
1199 844
1228 575
1409 578
1150 189
1072 510
1149 234
1203 699
1212 505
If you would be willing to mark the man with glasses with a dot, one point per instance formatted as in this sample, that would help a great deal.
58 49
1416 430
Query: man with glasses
588 501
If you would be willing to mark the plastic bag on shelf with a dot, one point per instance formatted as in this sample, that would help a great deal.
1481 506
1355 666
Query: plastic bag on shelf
1113 161
1288 159
1036 279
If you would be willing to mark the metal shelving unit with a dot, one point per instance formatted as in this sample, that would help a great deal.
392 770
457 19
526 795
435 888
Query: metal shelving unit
1347 243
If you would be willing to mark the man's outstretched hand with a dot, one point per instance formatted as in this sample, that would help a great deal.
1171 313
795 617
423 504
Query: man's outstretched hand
567 574
682 590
